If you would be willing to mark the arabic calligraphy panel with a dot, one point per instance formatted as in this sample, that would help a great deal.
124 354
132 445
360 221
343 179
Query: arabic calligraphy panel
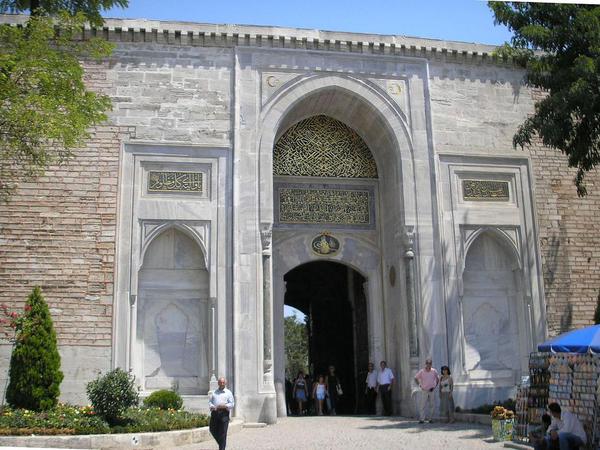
486 190
324 206
163 181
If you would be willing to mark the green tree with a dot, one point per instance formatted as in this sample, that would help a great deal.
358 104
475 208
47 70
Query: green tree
34 372
296 345
597 311
45 107
559 45
91 9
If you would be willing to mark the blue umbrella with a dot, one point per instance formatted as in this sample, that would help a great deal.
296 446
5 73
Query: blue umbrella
577 341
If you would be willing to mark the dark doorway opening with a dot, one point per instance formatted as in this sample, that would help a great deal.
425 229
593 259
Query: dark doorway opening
331 295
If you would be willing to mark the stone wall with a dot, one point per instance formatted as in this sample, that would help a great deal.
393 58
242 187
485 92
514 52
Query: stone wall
569 235
59 233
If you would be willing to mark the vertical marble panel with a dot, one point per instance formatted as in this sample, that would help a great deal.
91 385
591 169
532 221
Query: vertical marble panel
172 321
489 308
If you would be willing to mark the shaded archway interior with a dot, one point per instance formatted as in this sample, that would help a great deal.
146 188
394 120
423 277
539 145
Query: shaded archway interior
331 295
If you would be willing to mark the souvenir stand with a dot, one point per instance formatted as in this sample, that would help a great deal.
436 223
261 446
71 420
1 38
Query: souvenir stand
568 373
532 399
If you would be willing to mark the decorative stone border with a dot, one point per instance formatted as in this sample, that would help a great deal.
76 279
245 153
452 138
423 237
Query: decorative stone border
212 35
162 439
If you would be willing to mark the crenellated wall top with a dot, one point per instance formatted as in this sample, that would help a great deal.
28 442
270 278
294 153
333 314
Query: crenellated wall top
227 35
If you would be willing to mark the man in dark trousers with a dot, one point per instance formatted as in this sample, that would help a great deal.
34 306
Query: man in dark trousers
220 403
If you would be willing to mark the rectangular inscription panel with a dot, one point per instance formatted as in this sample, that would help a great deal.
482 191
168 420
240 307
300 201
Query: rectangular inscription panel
324 206
175 181
485 190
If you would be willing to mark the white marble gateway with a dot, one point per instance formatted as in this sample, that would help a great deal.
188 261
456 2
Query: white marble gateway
444 236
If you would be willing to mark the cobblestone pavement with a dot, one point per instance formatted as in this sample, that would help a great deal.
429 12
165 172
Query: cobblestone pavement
348 433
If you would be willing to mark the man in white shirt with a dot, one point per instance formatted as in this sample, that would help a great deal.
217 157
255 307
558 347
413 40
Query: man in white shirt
220 403
371 389
566 429
385 381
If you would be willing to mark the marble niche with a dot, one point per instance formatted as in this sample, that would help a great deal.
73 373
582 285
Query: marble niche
172 316
490 310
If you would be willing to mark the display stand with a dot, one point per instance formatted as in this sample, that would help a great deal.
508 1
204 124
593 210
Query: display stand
573 385
570 379
521 407
537 399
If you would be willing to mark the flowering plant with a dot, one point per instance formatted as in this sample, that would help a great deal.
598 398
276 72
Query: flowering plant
501 413
10 320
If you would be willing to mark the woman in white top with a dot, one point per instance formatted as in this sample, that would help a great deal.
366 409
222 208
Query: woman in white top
446 400
319 393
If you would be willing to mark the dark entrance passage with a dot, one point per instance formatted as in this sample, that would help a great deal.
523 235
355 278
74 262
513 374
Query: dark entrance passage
331 295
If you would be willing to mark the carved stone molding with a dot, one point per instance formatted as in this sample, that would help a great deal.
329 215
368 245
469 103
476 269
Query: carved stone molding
409 241
266 237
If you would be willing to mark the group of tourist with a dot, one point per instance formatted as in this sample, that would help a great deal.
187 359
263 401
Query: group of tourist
428 380
560 429
325 392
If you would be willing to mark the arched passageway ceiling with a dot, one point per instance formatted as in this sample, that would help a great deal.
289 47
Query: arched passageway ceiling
354 112
316 280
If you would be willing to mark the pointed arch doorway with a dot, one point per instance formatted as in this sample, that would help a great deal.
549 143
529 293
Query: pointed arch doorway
332 297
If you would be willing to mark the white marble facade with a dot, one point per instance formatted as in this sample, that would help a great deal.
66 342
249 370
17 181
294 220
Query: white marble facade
199 276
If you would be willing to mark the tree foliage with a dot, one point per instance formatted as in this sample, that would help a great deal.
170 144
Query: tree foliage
91 9
34 372
296 345
45 107
559 45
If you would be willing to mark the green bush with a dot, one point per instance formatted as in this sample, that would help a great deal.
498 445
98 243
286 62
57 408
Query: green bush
164 399
34 373
137 420
111 394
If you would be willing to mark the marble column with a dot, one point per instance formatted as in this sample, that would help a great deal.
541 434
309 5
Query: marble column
409 260
266 233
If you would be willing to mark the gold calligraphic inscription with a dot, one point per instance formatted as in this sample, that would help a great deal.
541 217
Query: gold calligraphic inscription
485 190
321 146
325 245
175 182
331 206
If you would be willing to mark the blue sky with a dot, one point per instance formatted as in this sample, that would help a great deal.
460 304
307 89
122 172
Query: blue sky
456 20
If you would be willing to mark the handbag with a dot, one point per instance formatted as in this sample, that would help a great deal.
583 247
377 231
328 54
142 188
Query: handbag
338 389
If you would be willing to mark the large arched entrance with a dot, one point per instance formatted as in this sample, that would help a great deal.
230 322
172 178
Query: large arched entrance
331 296
341 179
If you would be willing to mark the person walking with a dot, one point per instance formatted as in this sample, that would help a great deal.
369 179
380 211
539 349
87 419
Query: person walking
385 381
446 399
334 390
300 392
427 379
220 404
371 389
319 394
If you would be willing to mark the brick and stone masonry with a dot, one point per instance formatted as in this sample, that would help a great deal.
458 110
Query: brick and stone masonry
60 230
